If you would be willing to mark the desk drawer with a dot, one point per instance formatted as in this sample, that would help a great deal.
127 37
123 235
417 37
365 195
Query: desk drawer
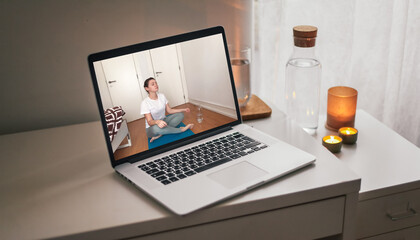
389 213
306 221
405 234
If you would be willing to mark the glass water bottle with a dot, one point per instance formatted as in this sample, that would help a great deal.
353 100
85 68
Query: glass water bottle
303 79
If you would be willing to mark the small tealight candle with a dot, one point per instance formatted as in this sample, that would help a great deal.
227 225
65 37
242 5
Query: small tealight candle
348 134
332 143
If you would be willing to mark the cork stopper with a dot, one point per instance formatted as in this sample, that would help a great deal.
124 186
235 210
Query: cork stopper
304 35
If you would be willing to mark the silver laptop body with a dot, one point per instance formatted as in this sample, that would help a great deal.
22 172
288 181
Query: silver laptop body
192 171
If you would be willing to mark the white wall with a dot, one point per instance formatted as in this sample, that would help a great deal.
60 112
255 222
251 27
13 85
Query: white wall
44 47
206 72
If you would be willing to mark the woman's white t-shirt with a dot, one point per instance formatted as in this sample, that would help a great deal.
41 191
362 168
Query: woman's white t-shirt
155 107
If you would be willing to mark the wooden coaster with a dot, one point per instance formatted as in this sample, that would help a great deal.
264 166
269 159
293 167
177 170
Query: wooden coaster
256 108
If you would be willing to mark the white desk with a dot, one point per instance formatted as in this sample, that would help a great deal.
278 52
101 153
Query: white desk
59 183
389 166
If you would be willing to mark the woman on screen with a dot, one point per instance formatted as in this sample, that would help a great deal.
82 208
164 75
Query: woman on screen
153 107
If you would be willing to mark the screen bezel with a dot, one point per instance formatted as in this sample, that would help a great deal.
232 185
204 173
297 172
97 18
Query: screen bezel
147 46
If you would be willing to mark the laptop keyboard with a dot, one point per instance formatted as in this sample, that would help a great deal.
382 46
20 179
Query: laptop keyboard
197 159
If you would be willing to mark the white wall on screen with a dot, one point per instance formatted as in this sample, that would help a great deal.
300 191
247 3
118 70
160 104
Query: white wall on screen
206 72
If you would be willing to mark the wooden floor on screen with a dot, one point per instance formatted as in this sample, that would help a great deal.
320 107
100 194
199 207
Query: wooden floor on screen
138 132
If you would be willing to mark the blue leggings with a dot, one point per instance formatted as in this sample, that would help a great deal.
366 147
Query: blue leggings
172 120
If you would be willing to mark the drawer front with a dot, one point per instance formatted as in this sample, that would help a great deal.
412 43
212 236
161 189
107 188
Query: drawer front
389 213
412 233
307 221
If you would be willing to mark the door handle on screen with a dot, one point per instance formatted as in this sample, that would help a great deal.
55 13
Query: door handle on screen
112 81
158 72
395 217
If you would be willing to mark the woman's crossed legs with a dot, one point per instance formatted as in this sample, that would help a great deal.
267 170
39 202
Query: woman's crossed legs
154 132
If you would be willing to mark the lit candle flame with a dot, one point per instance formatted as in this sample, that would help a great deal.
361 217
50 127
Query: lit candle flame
348 131
332 140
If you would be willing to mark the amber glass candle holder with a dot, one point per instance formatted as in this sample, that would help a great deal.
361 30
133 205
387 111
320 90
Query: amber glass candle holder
341 107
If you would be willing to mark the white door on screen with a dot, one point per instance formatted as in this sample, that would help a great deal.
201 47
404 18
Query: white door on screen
144 68
168 74
121 78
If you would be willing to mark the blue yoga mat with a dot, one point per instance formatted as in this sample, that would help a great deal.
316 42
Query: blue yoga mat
169 137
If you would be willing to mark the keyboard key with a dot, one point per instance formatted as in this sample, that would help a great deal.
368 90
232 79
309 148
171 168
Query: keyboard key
151 171
173 179
190 173
193 166
166 182
181 176
144 167
157 174
161 178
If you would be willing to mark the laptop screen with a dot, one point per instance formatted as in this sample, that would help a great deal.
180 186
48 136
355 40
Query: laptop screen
163 94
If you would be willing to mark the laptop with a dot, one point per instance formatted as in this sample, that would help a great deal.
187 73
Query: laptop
215 156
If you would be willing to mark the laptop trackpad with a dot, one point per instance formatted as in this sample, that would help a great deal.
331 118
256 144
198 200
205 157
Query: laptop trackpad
237 174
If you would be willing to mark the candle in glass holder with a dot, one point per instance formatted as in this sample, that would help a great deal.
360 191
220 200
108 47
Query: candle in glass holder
332 143
341 107
348 134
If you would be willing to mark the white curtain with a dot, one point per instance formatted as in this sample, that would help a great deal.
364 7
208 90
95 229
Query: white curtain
370 45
